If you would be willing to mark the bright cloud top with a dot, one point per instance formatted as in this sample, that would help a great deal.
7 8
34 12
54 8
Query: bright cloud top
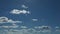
16 11
6 20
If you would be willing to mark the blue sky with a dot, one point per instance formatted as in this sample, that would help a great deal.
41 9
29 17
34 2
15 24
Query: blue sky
47 10
42 12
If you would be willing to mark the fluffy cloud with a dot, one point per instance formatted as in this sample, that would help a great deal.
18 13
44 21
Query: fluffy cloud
23 6
16 11
6 20
3 19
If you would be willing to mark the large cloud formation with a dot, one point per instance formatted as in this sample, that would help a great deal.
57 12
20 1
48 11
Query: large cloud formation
43 30
6 20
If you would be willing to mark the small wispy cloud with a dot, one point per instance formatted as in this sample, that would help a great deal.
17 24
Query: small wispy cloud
11 21
14 30
6 20
16 11
23 27
24 6
43 28
34 19
16 26
57 28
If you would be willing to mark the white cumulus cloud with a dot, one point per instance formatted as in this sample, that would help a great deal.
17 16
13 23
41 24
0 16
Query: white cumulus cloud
16 11
3 19
6 20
